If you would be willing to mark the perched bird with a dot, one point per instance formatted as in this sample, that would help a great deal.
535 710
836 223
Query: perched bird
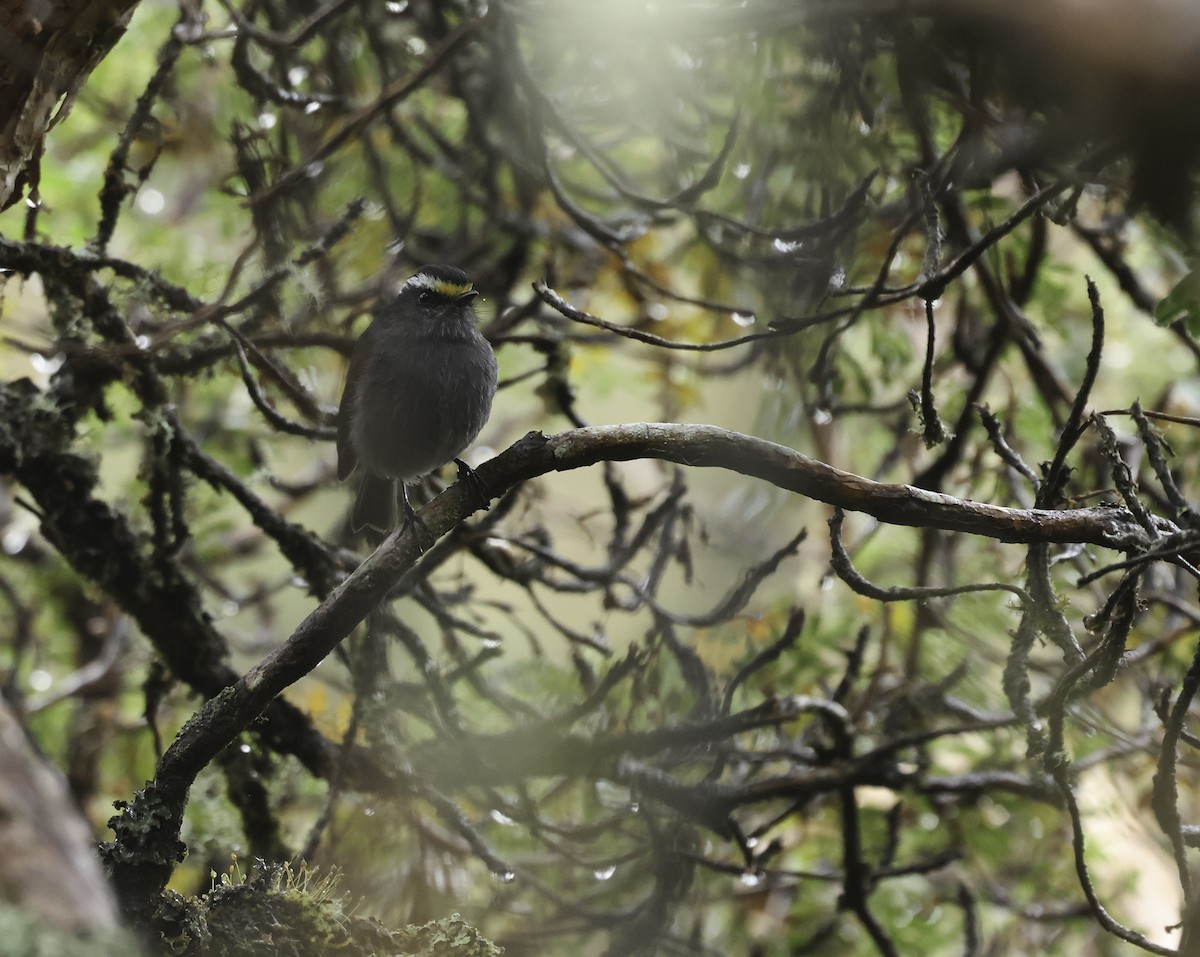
419 389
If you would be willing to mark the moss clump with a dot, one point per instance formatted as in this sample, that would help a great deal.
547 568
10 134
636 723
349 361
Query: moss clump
448 937
284 913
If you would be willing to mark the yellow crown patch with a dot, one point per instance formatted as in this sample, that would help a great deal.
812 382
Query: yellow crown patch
441 287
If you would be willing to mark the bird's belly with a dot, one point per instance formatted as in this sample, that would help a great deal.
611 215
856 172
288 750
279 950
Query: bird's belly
423 422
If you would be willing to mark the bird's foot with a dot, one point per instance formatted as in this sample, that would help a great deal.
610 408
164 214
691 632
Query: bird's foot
474 483
410 521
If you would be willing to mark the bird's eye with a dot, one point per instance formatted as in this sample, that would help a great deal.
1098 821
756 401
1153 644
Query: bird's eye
424 296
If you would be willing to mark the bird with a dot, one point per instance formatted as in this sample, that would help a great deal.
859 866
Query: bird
418 391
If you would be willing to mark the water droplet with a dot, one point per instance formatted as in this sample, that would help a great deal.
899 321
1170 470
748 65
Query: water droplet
142 342
15 539
44 365
297 75
785 245
244 748
507 877
267 120
311 108
150 201
500 817
742 319
40 679
752 842
750 879
604 873
416 46
396 7
314 169
821 416
184 32
657 311
742 170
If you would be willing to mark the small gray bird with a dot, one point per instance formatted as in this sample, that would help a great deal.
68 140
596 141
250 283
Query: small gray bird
419 389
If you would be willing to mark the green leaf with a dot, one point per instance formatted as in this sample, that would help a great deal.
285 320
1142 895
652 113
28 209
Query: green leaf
1182 302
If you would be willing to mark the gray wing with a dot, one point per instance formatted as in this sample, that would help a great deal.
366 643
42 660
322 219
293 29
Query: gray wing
347 457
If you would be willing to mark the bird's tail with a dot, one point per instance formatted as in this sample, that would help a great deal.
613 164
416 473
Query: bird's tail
375 506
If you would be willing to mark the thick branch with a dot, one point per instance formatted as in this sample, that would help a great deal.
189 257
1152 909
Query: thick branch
225 716
711 447
46 52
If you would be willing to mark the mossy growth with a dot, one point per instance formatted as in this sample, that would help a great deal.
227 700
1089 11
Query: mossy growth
281 912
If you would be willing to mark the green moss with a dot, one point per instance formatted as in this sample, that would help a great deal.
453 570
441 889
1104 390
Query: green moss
448 937
280 912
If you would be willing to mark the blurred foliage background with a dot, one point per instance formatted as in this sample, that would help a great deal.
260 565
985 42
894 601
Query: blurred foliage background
632 709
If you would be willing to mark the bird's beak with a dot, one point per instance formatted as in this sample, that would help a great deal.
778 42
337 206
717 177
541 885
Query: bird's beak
466 296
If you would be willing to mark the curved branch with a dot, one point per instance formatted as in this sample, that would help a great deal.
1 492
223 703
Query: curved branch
228 714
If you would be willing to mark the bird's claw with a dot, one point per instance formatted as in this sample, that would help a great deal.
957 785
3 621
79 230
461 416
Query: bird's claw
469 477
